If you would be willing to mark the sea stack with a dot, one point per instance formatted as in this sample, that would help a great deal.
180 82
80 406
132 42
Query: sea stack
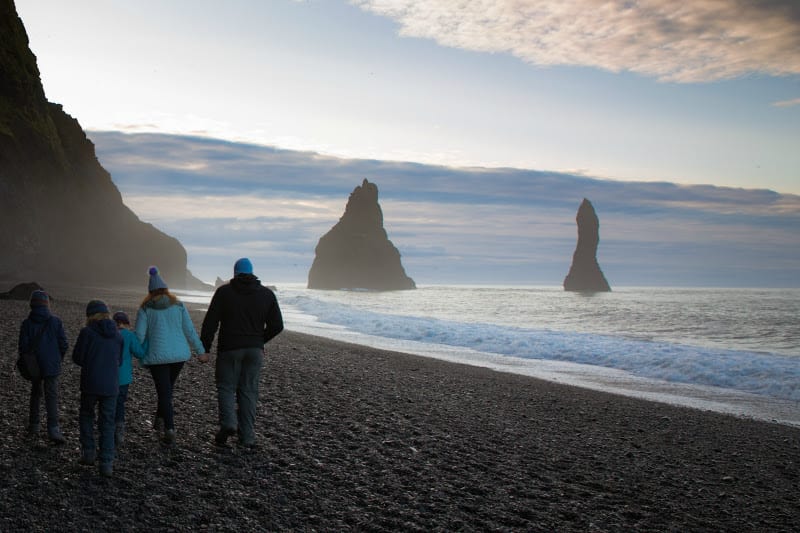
63 220
585 273
356 253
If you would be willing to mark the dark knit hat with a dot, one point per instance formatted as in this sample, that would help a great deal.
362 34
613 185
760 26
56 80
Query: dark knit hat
39 298
121 318
242 266
155 280
96 306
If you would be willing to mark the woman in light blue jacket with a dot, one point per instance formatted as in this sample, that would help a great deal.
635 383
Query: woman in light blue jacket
165 329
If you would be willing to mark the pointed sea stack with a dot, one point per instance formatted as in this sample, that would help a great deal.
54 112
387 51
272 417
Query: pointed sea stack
585 273
356 253
62 218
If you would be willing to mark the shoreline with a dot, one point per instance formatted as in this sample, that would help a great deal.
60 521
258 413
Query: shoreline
355 438
597 378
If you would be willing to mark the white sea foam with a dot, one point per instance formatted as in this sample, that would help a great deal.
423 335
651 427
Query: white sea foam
735 351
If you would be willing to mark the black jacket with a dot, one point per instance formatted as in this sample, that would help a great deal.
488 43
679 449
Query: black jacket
246 313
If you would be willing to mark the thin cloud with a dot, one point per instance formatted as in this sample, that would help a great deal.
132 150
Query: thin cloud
697 41
787 103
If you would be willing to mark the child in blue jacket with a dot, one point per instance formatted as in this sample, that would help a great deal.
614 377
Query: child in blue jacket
130 347
98 351
44 327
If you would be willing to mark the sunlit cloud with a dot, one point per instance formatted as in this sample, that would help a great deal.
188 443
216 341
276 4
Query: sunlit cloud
698 41
185 207
162 163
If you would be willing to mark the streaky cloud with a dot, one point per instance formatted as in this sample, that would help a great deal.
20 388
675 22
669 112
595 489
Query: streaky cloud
197 166
697 41
459 225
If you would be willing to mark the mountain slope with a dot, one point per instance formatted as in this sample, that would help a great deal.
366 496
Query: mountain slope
62 218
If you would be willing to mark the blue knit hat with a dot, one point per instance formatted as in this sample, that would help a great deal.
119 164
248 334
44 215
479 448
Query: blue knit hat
39 298
242 266
155 280
96 306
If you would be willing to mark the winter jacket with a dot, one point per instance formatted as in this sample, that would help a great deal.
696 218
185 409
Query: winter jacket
166 332
98 351
246 312
130 347
52 344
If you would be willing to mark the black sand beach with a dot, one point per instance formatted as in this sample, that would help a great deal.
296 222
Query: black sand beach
352 438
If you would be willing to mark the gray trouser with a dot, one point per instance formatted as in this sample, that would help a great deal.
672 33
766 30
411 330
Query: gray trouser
237 374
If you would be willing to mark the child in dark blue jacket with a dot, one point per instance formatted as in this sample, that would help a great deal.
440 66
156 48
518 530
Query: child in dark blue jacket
45 328
98 351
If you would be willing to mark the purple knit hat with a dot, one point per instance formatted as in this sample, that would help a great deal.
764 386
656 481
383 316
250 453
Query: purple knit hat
121 318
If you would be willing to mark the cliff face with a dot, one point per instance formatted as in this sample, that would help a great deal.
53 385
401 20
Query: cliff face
356 253
62 218
585 273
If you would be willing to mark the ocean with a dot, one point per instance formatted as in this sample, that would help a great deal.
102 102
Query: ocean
729 350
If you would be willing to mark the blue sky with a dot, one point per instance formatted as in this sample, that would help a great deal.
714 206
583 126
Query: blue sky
606 100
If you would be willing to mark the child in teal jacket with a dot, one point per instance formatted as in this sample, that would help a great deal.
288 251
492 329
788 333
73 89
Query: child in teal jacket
131 347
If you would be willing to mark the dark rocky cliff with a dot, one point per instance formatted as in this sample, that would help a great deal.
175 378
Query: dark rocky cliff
585 273
62 218
356 253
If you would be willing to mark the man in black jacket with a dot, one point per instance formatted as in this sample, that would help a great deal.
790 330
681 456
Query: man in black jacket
248 316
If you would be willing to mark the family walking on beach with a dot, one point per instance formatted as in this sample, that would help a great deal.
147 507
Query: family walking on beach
245 312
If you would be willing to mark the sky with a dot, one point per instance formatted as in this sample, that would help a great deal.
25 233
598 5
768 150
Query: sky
703 92
484 124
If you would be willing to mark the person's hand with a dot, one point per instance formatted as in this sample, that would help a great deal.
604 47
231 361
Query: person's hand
204 357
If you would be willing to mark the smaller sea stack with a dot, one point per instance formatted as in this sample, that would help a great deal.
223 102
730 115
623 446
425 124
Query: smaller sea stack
585 273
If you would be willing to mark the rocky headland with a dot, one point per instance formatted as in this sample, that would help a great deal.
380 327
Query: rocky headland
62 217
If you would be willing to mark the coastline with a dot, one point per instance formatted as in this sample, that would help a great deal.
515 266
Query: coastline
355 438
604 379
